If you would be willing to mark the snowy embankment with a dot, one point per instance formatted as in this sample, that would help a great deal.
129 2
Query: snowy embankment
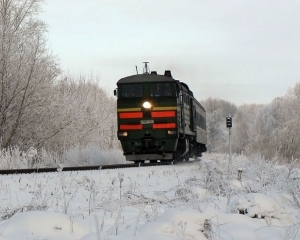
202 200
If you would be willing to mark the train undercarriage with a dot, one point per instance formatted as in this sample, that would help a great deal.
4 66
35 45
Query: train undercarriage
186 148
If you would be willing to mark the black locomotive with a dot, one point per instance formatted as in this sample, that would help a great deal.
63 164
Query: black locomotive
159 118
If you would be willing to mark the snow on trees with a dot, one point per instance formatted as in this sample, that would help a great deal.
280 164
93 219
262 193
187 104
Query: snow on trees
86 115
27 70
39 107
268 130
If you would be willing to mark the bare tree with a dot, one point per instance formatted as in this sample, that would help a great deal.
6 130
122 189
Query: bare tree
288 123
216 112
84 115
27 70
271 129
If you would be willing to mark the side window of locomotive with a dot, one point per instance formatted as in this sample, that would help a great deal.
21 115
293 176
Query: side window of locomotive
161 90
185 99
182 98
131 90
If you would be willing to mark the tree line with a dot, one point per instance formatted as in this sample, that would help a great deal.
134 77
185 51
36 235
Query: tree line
270 130
41 107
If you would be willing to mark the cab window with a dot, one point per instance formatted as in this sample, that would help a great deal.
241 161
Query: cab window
134 90
161 90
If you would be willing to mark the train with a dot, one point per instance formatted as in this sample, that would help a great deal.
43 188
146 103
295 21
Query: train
159 118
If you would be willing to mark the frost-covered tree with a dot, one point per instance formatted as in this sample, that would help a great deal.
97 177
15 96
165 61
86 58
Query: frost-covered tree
242 134
271 129
85 115
27 71
288 123
216 112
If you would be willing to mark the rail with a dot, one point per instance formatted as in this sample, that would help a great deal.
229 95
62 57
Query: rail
78 168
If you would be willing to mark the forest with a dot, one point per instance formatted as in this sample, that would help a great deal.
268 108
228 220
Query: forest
267 130
46 109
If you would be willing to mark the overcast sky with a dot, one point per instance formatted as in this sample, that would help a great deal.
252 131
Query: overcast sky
242 51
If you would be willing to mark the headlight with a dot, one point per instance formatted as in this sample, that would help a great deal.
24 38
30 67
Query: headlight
147 105
123 134
171 132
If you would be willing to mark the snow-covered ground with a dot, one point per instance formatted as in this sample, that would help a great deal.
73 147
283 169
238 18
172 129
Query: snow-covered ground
200 200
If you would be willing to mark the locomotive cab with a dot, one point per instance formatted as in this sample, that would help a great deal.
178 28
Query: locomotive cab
150 118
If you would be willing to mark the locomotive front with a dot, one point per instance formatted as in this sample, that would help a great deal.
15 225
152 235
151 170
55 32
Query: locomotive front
147 116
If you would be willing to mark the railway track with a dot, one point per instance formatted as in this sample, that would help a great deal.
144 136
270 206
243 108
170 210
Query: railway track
78 168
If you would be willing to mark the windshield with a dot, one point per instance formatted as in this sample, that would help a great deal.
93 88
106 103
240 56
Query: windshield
161 90
131 90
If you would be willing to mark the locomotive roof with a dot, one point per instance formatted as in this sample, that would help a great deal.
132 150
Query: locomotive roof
140 78
145 78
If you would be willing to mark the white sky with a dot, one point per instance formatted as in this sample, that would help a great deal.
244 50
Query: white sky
242 51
